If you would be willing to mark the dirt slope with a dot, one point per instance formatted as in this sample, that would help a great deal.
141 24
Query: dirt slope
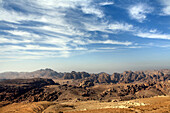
147 105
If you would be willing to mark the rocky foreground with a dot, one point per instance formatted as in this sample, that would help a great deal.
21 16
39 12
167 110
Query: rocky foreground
158 104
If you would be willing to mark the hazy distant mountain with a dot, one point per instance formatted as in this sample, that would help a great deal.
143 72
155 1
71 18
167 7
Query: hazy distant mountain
42 73
125 77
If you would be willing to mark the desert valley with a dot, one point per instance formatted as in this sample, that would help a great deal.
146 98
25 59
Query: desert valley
48 91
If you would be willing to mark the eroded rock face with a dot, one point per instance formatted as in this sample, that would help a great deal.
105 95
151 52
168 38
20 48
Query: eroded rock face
104 78
76 75
125 77
36 81
86 83
130 77
134 91
34 90
14 89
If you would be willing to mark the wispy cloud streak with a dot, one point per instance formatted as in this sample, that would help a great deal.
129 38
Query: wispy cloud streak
58 26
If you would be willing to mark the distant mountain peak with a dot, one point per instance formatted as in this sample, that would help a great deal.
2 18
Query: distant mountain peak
46 69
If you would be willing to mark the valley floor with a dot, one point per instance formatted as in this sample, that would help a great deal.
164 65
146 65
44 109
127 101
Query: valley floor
159 104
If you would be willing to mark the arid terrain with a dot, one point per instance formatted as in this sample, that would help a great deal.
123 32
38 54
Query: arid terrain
158 104
48 91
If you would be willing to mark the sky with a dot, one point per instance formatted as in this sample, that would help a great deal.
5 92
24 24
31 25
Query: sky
84 35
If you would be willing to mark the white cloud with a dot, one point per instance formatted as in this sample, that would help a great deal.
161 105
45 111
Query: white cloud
14 41
54 28
134 47
79 41
108 48
153 31
106 3
121 26
30 52
96 26
12 16
93 10
154 35
109 28
22 33
37 47
51 4
48 12
166 8
60 41
62 30
88 41
110 42
139 11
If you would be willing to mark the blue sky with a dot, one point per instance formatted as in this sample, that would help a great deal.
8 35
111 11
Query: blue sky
84 35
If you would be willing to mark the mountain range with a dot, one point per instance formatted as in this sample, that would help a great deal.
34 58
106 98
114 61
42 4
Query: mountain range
125 77
49 85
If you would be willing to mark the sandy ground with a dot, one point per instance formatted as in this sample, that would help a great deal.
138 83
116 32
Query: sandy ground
146 105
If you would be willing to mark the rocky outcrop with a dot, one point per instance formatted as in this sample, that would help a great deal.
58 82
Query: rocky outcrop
134 91
104 78
76 75
86 83
39 82
125 77
139 76
11 90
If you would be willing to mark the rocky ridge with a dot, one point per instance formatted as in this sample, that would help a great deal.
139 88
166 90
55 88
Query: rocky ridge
34 90
125 77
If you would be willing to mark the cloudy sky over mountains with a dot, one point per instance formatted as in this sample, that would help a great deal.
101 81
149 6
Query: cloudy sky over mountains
90 35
